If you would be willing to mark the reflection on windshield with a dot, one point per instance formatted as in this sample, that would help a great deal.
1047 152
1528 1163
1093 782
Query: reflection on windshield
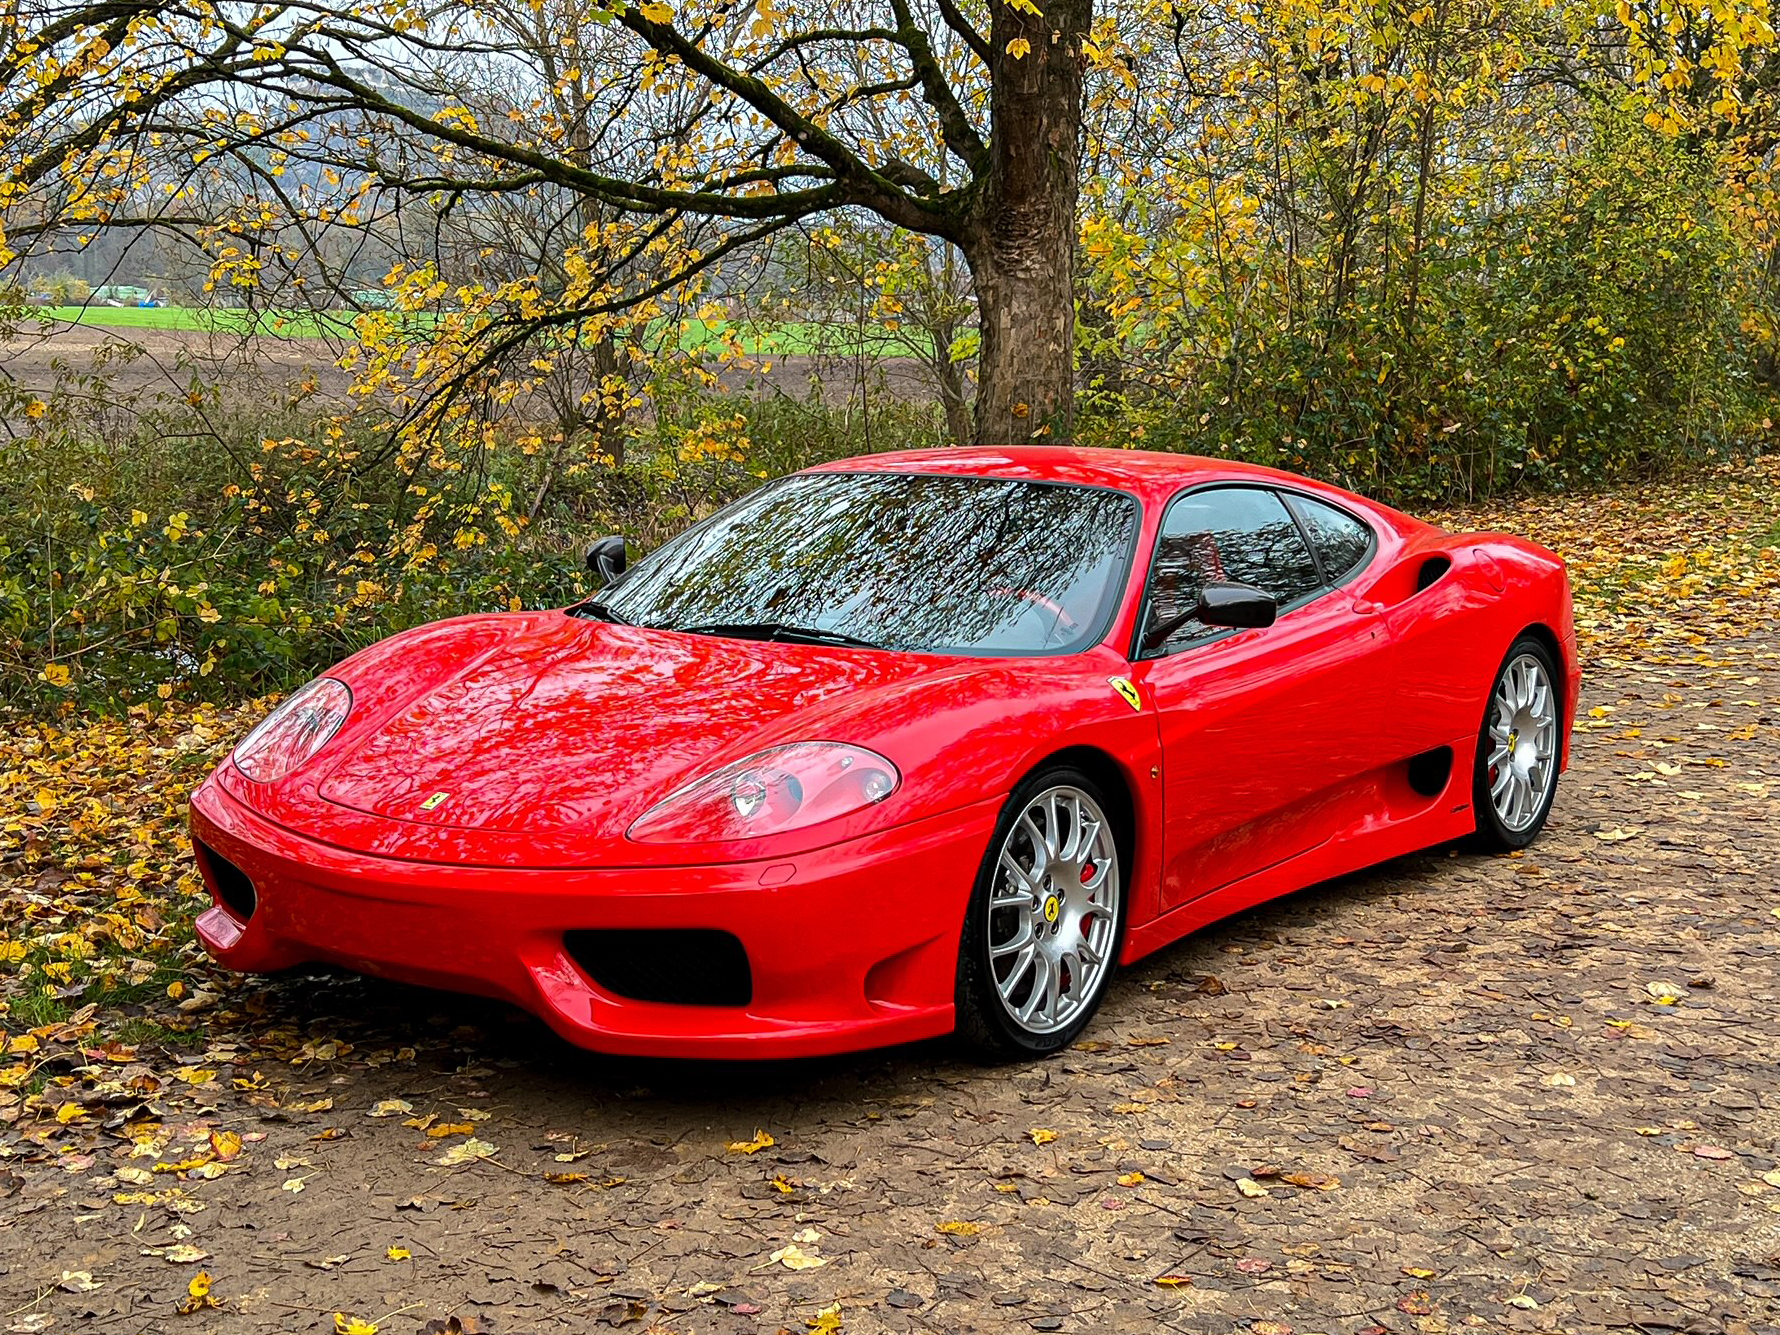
908 561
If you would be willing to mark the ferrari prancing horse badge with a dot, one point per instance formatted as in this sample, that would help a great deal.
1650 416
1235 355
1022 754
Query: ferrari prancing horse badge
1127 692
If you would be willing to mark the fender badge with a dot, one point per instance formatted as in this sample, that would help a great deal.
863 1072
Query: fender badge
436 800
1127 692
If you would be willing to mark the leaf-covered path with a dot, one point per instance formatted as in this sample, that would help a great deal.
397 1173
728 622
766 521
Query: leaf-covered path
1458 1092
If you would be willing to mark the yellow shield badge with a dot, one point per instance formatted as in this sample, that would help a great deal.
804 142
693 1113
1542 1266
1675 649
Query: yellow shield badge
1127 692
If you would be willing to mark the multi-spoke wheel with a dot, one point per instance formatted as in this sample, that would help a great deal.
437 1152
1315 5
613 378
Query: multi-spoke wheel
1044 924
1520 748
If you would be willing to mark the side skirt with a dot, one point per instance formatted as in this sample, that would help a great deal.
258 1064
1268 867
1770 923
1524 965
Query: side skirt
1371 842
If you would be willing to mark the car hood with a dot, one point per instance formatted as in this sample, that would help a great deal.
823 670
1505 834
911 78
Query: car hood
552 721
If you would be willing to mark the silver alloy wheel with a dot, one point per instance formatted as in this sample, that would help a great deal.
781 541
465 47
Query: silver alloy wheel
1053 909
1523 742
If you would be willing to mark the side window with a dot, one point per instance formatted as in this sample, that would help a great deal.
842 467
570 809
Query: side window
1341 541
1237 535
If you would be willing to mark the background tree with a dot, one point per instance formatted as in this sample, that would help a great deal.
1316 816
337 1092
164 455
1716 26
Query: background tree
686 136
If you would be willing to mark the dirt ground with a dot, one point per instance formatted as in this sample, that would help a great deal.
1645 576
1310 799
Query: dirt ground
1528 1093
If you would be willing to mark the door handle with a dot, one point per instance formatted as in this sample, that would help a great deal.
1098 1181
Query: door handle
1367 608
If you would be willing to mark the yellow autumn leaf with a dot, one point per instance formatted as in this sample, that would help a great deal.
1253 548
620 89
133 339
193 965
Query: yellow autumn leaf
197 1295
444 1129
827 1321
1019 48
56 674
1131 1179
760 1142
793 1257
398 1254
1040 1136
352 1325
962 1228
657 13
469 1152
1173 1281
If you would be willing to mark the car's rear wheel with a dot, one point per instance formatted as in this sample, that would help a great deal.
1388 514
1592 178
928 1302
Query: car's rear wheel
1519 748
1042 934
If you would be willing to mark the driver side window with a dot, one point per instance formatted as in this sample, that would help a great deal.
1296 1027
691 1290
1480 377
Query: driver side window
1236 535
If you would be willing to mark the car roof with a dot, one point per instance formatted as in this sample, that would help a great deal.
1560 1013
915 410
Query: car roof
1150 474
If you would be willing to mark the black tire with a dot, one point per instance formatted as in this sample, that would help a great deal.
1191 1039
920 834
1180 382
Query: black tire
1496 832
984 1023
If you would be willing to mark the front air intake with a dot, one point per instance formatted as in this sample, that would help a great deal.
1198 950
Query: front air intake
675 966
226 881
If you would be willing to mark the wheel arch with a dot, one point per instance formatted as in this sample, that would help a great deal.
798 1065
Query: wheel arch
1548 640
1112 779
1547 637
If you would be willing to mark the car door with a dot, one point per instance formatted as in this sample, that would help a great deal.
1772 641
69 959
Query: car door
1267 734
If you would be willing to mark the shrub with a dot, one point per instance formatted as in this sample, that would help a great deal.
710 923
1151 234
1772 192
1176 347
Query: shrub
199 549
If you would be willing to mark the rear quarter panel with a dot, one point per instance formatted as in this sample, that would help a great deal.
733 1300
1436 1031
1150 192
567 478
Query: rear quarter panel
1451 637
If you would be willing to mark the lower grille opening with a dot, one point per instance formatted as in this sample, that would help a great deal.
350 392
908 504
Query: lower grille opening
678 966
227 881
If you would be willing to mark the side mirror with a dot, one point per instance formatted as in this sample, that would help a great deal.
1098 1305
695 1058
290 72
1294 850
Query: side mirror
606 558
1237 606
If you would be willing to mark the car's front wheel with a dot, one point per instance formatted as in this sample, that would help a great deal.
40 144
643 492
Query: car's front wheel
1519 749
1042 934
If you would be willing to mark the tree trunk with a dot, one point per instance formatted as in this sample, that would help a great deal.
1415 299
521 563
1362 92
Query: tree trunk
951 397
1020 238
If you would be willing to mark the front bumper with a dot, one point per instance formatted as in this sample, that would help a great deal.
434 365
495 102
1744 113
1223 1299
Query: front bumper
849 947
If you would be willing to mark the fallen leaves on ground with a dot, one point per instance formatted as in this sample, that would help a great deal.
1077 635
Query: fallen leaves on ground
198 1296
469 1152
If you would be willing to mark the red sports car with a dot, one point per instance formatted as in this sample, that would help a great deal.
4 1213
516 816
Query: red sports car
897 746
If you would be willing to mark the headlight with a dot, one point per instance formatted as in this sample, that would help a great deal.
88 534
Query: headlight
779 789
295 731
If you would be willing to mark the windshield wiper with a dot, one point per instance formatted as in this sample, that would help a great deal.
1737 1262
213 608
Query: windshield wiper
779 630
594 608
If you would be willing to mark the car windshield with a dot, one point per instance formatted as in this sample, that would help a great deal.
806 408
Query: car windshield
899 560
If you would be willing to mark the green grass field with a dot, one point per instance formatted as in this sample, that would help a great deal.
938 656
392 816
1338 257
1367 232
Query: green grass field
295 324
782 340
